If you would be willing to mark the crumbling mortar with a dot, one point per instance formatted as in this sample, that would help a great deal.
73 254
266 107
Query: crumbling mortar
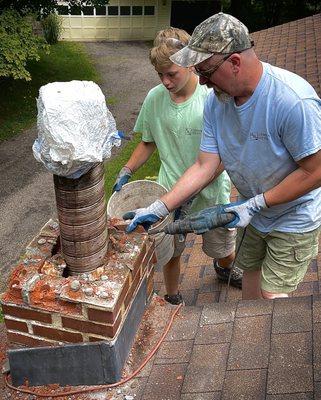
56 320
36 259
84 311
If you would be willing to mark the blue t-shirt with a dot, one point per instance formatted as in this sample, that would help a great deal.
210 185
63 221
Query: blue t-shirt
260 141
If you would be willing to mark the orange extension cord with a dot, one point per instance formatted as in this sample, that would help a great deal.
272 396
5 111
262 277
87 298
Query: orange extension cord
102 387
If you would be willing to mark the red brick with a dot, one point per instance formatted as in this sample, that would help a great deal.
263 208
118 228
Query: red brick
27 340
132 289
69 308
26 313
96 315
16 325
112 330
95 339
139 259
148 256
121 226
57 334
150 283
109 317
121 297
91 327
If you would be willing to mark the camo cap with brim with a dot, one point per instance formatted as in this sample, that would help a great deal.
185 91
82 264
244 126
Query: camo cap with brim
219 34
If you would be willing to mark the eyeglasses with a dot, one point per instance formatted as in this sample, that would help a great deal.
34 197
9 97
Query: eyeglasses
208 73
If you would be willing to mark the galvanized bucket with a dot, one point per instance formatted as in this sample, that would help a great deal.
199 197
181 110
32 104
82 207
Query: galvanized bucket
139 194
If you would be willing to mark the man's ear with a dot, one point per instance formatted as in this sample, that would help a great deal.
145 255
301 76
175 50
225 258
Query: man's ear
235 60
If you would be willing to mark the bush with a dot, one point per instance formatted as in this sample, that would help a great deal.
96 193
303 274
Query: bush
52 28
18 45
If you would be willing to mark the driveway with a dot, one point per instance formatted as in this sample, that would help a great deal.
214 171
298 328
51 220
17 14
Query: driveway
27 196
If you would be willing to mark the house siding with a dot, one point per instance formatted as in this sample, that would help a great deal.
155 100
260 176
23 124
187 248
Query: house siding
118 28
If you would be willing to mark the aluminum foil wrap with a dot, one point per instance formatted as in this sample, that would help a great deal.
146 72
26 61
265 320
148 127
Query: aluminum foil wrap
75 128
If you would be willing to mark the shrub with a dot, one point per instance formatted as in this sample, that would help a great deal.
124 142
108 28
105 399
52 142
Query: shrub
18 45
52 28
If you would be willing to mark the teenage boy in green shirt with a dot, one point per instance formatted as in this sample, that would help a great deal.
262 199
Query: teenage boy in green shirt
171 120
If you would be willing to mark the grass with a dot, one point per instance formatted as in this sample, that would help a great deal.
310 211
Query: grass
66 61
18 110
148 170
111 101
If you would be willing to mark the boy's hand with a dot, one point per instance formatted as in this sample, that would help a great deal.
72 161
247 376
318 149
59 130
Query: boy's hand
123 177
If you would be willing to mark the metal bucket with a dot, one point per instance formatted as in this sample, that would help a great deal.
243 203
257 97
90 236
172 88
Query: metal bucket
82 218
139 194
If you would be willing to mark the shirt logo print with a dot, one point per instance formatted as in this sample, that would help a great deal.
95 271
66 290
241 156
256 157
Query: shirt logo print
258 136
193 131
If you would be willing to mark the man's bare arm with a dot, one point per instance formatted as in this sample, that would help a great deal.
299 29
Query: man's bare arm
301 181
194 180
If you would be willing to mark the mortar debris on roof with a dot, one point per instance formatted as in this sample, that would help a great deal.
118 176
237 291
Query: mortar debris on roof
40 279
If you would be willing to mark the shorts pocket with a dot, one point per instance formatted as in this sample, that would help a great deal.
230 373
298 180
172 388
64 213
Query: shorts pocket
306 254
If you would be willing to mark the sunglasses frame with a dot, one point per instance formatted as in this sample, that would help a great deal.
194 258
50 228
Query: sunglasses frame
208 73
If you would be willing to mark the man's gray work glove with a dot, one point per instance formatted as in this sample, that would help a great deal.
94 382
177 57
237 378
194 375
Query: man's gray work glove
201 222
245 210
146 216
231 215
123 177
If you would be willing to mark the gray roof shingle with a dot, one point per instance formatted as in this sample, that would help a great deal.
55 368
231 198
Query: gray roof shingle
295 46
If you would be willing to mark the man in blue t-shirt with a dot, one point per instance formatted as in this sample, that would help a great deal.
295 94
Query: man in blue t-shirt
264 123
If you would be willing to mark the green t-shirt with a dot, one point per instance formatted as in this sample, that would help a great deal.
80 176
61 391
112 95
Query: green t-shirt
176 130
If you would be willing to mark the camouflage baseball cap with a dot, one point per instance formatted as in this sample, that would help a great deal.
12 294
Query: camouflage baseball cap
219 34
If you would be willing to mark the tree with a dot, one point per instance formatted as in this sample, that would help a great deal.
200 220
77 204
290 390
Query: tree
18 45
262 14
44 7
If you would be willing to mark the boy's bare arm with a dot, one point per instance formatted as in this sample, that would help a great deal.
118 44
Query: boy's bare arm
140 155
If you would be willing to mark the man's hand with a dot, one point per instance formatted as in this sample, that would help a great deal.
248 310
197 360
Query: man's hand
123 177
146 216
245 210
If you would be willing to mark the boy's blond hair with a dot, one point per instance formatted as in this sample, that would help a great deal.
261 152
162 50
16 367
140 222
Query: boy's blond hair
167 42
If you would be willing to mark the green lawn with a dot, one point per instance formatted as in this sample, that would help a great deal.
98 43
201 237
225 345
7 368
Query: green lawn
18 110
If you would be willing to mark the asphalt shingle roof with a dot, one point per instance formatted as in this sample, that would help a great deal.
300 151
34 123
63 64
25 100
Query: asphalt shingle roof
295 46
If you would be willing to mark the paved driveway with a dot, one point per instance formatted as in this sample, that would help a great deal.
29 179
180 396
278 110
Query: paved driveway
26 194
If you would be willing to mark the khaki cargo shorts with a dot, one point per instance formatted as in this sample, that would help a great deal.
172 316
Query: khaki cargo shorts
217 243
282 257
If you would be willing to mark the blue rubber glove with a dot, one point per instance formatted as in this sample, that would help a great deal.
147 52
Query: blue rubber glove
146 216
123 177
245 210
